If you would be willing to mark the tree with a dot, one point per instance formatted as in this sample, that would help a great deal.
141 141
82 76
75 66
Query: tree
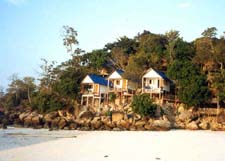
183 50
136 66
172 37
69 38
143 105
97 59
191 84
210 32
30 86
47 75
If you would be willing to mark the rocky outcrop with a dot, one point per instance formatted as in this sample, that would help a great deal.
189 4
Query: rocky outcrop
161 125
192 126
124 119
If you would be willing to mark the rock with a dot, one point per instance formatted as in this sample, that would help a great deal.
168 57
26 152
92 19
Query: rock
28 121
192 126
106 120
36 120
215 126
137 117
148 127
117 116
179 125
204 125
221 118
185 115
124 124
73 126
96 123
55 123
50 116
180 108
161 125
85 115
116 129
140 123
62 123
22 116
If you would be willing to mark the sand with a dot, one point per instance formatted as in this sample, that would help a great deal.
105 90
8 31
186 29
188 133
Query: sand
123 146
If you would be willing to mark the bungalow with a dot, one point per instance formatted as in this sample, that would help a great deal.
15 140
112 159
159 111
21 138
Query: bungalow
156 83
93 89
120 85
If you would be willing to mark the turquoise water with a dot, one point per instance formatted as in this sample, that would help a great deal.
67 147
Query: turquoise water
17 137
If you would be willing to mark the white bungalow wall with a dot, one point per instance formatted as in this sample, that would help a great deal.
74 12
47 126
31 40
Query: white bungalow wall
115 75
87 80
154 77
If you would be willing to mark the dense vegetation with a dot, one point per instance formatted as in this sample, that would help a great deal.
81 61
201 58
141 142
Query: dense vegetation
143 105
196 67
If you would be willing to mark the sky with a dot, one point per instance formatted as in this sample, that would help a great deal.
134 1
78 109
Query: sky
32 29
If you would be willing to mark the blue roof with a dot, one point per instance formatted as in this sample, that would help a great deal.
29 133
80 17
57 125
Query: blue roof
98 79
120 71
163 75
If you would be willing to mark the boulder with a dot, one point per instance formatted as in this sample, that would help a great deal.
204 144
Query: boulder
72 126
36 120
215 126
106 120
22 116
161 125
140 123
137 117
132 128
204 125
192 126
55 123
124 124
179 125
148 126
117 116
185 116
221 118
85 115
62 123
50 116
28 121
96 123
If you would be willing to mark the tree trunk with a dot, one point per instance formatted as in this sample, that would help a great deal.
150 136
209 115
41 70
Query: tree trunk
28 94
218 107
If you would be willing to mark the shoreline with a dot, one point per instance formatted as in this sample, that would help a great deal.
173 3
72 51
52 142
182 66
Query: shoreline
174 145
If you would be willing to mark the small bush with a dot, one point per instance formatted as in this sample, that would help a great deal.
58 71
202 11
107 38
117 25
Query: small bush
108 113
143 105
112 97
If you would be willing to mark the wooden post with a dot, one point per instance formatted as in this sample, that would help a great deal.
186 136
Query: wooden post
82 100
93 101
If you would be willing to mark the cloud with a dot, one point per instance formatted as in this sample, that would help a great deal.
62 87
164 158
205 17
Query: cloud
16 2
184 5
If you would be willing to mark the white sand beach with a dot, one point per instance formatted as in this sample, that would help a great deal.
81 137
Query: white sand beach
115 146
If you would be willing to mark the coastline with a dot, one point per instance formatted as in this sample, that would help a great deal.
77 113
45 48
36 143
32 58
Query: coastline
174 145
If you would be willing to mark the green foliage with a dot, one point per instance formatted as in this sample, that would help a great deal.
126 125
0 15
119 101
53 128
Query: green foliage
112 97
97 58
46 102
143 105
191 84
210 32
108 113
